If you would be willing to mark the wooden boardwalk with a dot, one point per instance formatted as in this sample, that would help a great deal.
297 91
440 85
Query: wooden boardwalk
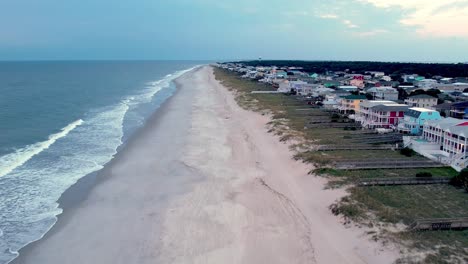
357 147
386 164
402 181
440 224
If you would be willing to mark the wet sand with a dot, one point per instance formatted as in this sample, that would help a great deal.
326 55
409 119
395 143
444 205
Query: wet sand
203 182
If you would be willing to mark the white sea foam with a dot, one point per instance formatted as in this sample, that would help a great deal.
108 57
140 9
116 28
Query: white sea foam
153 88
13 160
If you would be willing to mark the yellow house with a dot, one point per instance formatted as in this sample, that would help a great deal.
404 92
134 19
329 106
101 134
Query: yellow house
350 104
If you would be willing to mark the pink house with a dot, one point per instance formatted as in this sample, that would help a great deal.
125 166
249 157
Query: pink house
358 81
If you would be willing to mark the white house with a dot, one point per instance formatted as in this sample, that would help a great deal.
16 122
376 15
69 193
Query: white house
443 140
421 100
383 93
427 84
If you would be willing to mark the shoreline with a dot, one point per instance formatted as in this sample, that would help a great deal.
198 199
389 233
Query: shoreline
211 186
76 194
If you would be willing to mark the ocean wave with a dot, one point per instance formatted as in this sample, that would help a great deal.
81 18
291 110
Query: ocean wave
13 160
152 88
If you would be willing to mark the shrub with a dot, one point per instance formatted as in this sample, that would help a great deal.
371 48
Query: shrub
423 175
461 180
406 151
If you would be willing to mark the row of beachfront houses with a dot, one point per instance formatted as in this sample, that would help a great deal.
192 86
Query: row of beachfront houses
428 133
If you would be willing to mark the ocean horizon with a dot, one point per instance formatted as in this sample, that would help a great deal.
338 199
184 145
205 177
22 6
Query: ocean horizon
62 120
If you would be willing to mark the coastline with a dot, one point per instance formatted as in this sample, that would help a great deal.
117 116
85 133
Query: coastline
238 197
76 195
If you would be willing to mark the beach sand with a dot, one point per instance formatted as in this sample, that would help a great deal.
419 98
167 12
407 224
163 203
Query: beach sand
203 182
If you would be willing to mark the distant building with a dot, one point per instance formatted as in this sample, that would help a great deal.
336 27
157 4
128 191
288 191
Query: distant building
421 100
376 73
358 81
383 93
459 110
426 84
443 109
452 87
348 88
415 118
386 78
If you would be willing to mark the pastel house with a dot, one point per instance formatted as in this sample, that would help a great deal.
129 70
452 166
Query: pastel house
414 119
350 103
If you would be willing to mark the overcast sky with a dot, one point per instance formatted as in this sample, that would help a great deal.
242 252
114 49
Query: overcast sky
385 30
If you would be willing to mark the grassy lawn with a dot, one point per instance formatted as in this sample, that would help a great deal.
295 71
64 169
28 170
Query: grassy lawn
370 205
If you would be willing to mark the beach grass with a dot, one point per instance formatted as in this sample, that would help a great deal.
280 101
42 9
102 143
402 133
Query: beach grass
379 205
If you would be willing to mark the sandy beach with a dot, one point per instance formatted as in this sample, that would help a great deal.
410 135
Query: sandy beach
204 182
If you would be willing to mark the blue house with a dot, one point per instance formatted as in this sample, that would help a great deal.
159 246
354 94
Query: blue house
415 118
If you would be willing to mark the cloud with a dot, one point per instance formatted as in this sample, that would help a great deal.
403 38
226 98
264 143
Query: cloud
371 32
349 24
448 18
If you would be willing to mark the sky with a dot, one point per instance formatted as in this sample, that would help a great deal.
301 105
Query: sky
377 30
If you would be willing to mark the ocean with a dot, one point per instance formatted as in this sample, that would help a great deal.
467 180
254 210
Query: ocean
60 121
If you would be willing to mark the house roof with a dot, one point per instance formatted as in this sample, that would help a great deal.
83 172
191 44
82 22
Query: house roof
458 130
443 106
355 97
416 111
390 107
460 104
371 103
421 96
385 89
445 123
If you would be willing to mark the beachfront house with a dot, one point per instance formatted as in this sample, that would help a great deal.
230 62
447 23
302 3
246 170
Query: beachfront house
383 115
421 100
415 118
350 104
383 93
443 140
364 108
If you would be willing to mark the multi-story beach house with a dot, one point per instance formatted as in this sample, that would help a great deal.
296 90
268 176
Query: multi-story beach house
350 104
421 100
415 118
363 111
383 93
380 115
443 140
